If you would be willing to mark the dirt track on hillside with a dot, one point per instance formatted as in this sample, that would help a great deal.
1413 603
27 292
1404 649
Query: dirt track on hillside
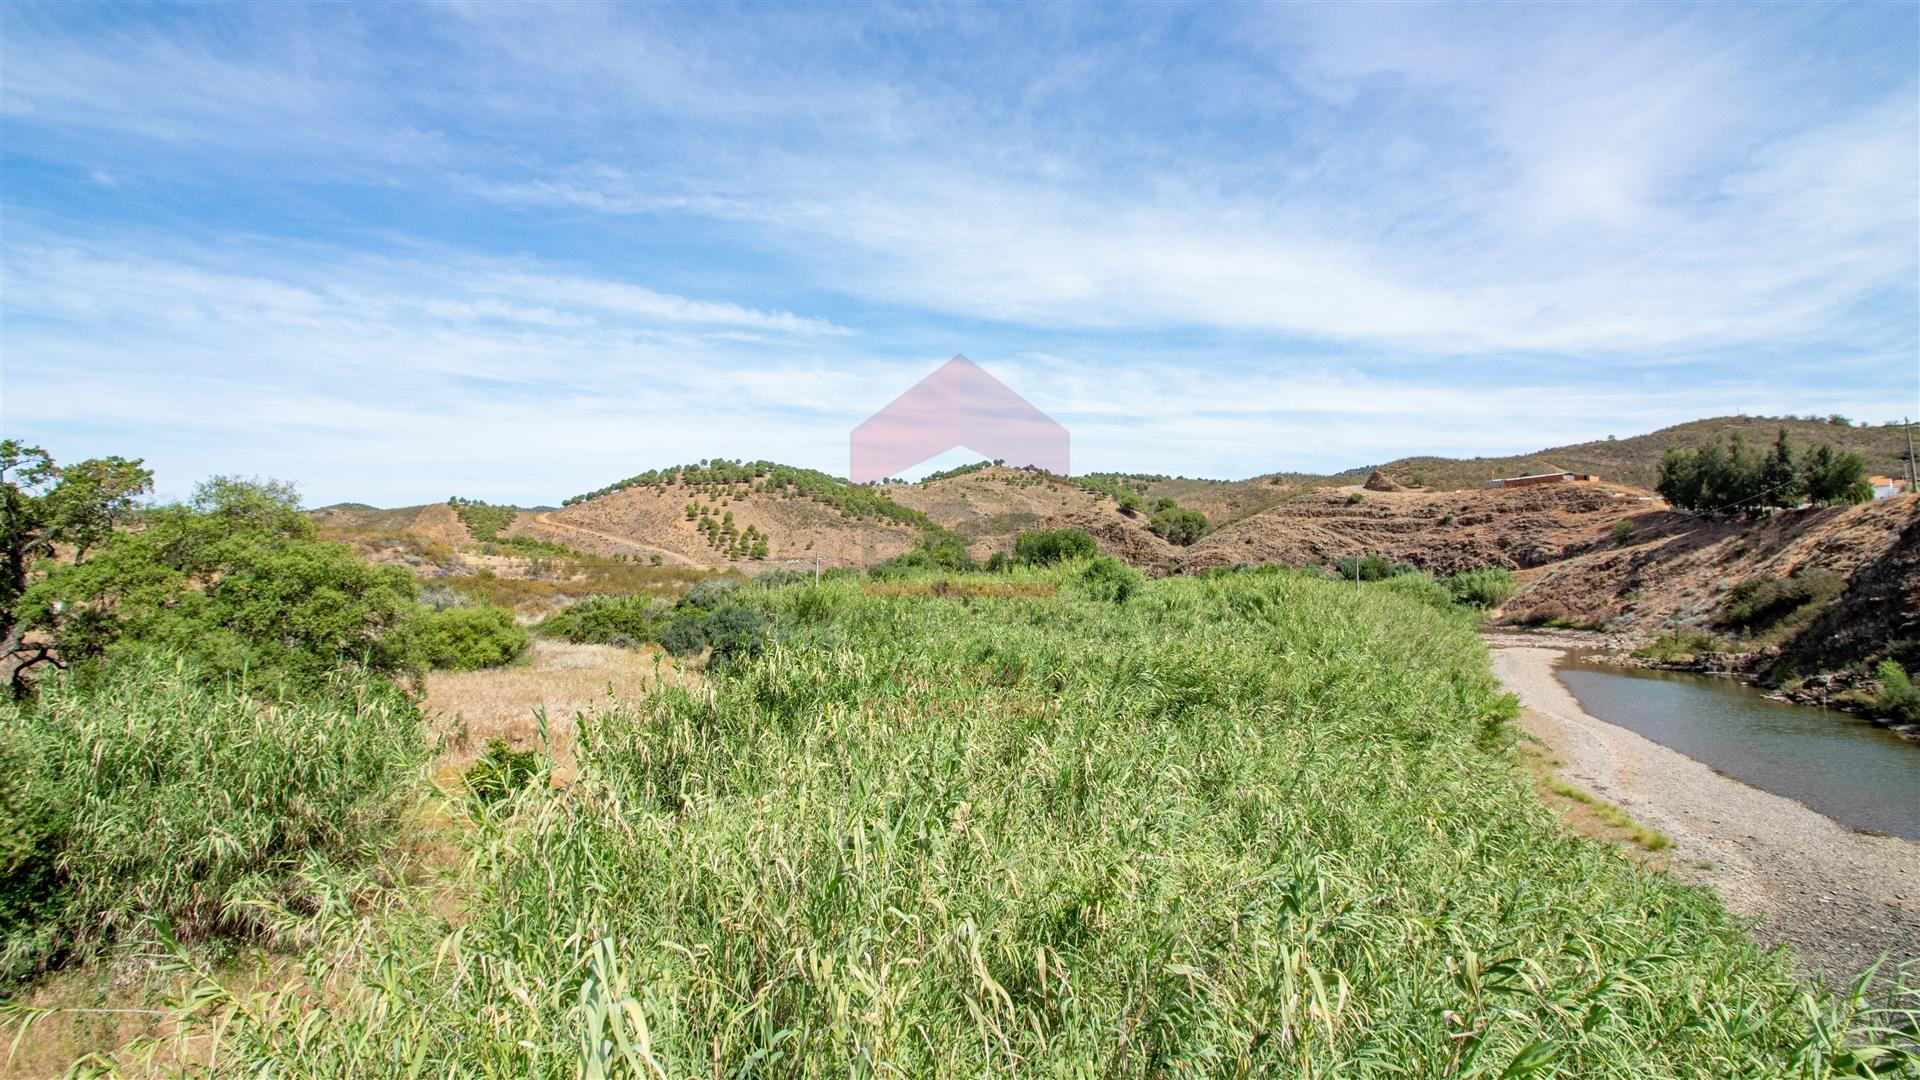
1839 898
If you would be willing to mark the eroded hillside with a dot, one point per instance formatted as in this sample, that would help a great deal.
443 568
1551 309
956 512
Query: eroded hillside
1439 532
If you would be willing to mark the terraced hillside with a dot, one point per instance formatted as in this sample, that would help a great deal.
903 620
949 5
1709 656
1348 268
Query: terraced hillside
1440 532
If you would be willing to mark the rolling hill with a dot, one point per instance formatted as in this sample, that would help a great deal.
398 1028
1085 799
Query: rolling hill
1636 460
1604 553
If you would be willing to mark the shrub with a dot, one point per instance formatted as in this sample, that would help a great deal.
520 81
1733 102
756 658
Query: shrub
1488 587
1364 567
607 620
1107 578
440 597
1045 547
463 638
1177 526
1591 616
1760 604
1354 498
1681 645
163 791
936 551
501 771
1623 530
1897 697
710 594
684 636
736 633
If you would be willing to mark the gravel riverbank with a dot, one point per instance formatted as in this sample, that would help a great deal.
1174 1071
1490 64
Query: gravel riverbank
1839 898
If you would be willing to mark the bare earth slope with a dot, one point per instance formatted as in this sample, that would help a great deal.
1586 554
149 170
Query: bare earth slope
646 520
1439 532
993 503
1677 569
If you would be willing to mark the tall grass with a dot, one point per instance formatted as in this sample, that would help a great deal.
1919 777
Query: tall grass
1252 825
160 794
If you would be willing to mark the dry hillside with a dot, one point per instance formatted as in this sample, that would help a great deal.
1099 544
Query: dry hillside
1678 570
1440 532
646 521
1636 460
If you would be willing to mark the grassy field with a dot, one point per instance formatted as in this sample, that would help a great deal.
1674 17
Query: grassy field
1250 825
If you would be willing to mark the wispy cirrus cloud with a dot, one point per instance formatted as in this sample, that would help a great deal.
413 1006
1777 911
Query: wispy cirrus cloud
1212 240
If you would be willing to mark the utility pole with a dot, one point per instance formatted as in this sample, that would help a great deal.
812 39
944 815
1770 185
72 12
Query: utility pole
1913 474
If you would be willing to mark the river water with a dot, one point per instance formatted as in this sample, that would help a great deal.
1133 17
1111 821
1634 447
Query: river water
1844 767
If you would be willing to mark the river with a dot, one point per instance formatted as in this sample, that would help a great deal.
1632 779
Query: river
1846 768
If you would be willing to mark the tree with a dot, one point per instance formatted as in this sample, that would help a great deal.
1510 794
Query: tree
1779 478
42 506
1835 478
234 579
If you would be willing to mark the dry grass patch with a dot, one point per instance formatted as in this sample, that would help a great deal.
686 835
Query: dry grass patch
959 589
1588 814
469 709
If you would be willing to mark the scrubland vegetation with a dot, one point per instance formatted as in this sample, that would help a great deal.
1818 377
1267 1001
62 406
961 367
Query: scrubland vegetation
1069 823
1257 823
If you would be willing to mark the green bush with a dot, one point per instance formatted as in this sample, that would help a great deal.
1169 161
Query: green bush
163 791
626 621
1365 568
501 771
937 550
1681 645
1897 697
1761 604
1045 547
709 595
463 638
736 633
1354 498
1623 530
684 636
1182 527
1488 587
1107 578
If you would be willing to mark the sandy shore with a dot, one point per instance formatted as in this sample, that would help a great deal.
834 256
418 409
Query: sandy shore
1840 898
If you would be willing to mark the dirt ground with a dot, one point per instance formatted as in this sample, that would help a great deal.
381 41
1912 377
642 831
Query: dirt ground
1841 899
469 709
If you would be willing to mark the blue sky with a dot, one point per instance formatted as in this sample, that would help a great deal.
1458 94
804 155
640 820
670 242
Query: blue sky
514 252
